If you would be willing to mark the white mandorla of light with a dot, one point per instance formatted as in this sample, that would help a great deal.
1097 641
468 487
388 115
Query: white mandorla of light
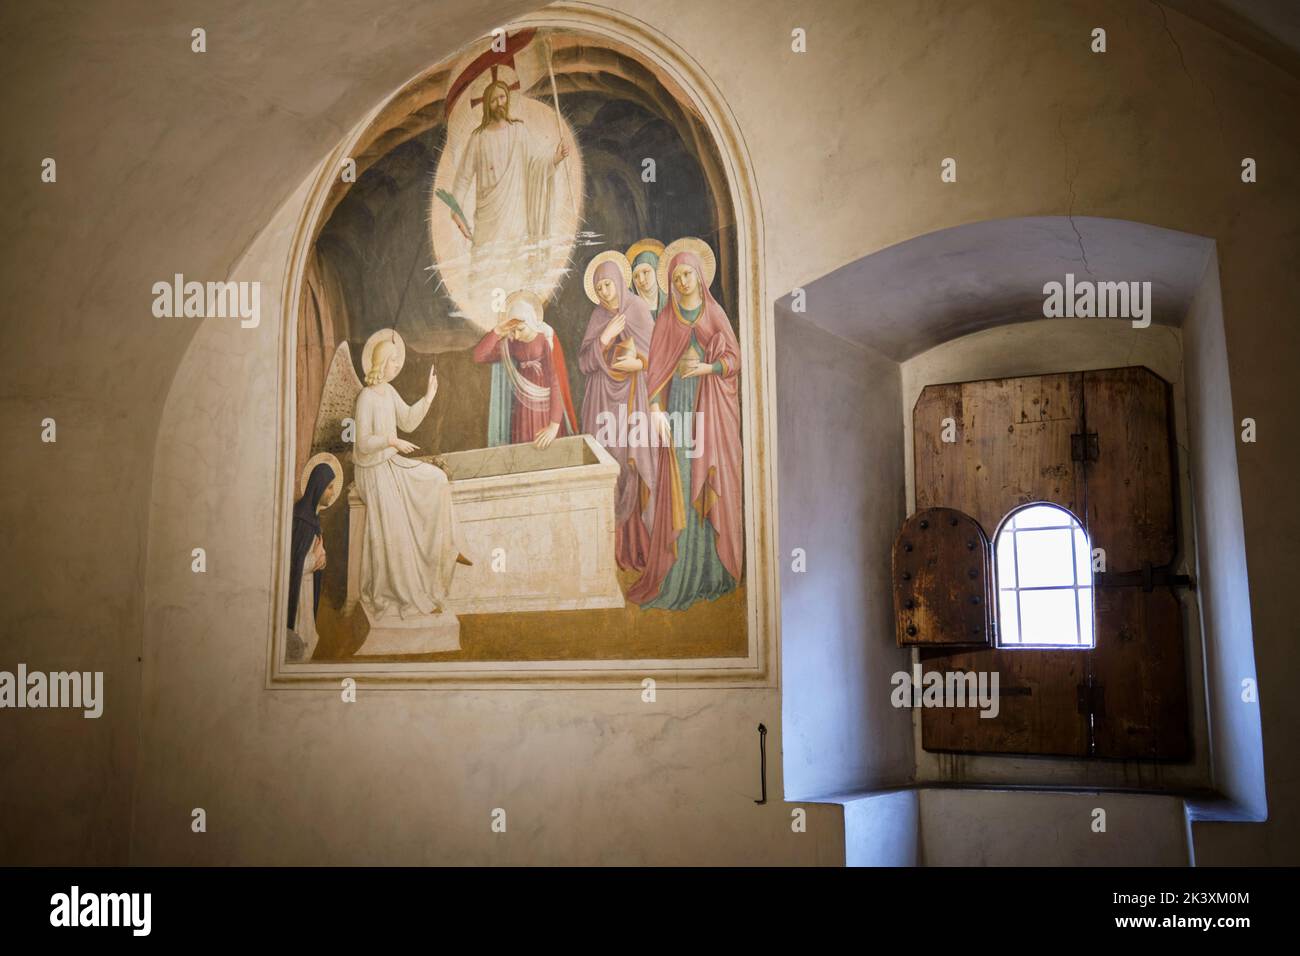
523 209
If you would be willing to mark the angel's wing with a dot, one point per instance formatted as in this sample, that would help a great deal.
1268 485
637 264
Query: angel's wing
338 401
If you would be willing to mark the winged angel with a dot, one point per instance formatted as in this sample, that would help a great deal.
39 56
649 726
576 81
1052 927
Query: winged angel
410 548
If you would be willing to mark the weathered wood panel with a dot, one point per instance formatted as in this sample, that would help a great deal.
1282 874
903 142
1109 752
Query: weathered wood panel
941 573
933 458
1126 698
1037 706
1130 509
1012 448
1139 670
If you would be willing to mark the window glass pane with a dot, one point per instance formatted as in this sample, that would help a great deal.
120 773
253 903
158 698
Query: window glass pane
1008 620
1085 617
1044 574
1042 516
1047 617
1082 557
1044 558
1006 561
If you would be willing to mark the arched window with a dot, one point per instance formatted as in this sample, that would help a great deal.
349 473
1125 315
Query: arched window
1044 579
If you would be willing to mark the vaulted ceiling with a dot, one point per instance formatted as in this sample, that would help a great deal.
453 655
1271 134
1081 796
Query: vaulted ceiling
1268 28
913 296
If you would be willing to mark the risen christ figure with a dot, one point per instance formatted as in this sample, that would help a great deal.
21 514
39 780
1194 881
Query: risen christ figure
512 177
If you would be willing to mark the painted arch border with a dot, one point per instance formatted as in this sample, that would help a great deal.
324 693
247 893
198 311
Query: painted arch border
760 667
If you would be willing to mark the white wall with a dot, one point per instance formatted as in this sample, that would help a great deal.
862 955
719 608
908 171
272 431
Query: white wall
1026 828
841 501
1220 561
883 829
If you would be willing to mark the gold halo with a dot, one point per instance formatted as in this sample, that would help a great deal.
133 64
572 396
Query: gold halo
528 296
645 245
687 244
335 486
609 255
368 352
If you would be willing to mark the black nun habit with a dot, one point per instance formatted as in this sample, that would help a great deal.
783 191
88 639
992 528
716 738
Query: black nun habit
306 526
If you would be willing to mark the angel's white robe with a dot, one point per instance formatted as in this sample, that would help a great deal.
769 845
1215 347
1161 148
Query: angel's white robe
409 551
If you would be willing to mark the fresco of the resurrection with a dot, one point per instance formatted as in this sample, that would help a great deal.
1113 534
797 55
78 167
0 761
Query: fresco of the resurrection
518 377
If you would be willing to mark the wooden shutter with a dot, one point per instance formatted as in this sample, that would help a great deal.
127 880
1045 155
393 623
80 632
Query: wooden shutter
1126 697
943 584
1137 672
1012 448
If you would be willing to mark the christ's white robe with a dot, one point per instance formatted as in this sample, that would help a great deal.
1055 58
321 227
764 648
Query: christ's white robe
409 551
512 177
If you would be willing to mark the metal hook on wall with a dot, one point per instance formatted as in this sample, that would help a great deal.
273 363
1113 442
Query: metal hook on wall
762 760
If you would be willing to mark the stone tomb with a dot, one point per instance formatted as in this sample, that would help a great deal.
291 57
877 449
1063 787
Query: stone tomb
539 527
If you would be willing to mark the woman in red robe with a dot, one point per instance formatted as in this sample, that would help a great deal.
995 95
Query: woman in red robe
541 408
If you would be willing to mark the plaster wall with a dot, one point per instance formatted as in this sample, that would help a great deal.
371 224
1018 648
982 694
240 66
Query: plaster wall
169 163
1221 568
841 503
883 829
1025 828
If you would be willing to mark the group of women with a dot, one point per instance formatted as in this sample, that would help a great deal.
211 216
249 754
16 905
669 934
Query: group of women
657 343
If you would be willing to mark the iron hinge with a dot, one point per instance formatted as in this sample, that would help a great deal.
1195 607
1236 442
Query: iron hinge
1147 578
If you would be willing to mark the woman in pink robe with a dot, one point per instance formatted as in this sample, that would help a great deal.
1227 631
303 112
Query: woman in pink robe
697 541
